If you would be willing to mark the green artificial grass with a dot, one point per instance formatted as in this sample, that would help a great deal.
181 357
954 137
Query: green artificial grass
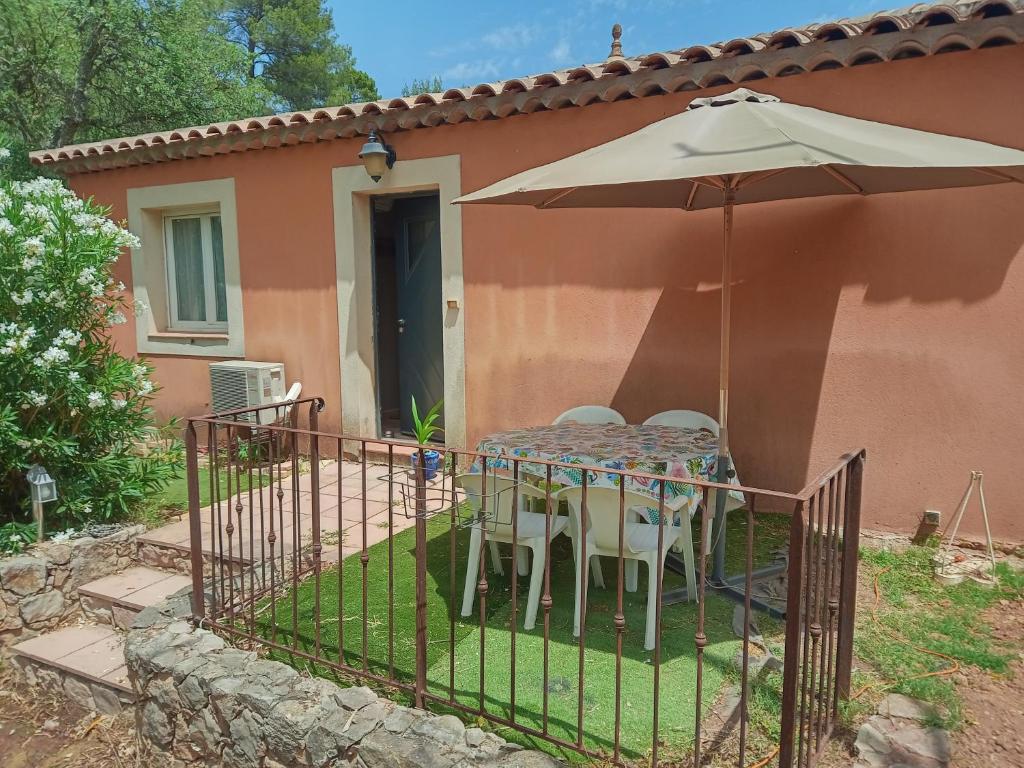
175 494
454 648
915 611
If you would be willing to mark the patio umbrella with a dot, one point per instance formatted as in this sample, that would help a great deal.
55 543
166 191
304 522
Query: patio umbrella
746 147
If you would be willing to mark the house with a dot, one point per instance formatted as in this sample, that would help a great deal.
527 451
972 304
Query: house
884 321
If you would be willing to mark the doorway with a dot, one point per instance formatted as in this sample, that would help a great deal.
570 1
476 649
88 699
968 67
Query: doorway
408 308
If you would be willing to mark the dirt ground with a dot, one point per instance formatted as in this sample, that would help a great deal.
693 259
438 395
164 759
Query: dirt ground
43 731
994 706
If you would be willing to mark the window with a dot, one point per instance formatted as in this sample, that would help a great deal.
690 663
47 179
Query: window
197 291
186 278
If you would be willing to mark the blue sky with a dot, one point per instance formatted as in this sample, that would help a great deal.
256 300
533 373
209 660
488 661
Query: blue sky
468 42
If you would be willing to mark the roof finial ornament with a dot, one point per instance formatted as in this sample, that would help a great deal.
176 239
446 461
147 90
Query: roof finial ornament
616 52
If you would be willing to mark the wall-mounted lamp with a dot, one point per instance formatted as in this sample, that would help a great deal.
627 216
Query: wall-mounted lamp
377 156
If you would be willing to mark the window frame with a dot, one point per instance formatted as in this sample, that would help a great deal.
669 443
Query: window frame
146 208
209 273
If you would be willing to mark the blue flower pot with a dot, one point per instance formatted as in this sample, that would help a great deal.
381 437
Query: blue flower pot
432 460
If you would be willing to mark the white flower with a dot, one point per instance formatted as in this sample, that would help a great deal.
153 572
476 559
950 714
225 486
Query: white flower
52 356
139 307
146 388
63 535
24 444
6 228
33 246
36 211
30 262
118 318
36 398
4 153
118 403
21 299
139 370
69 337
86 276
74 376
126 239
85 221
95 399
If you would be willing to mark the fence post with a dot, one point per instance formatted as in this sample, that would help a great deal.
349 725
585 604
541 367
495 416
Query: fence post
195 525
848 581
421 579
794 626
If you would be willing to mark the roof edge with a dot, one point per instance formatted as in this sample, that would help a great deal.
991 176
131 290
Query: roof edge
923 30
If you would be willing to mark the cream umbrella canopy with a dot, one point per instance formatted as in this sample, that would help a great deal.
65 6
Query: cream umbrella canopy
747 147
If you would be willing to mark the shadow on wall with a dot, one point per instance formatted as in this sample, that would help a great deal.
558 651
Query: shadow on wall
796 262
791 268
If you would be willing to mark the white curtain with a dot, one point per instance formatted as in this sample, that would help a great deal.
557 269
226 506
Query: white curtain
219 286
188 269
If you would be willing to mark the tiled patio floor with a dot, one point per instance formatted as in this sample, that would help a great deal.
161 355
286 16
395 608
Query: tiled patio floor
344 505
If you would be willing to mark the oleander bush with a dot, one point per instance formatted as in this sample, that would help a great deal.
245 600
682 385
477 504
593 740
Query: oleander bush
68 399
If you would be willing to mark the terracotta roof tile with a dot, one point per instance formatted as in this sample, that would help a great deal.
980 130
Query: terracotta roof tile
923 29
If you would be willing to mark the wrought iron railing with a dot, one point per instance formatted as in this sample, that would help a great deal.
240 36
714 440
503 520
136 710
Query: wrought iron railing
288 528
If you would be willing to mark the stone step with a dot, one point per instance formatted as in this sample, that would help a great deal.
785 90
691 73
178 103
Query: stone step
86 663
115 599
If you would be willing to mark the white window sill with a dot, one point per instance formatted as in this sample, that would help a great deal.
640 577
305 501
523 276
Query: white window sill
192 344
186 335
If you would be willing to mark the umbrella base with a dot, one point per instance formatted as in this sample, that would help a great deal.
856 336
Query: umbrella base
731 587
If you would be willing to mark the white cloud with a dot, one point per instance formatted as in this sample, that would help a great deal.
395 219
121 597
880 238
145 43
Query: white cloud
561 53
510 37
471 71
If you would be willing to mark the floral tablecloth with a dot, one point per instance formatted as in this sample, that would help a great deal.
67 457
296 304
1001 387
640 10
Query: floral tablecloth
678 452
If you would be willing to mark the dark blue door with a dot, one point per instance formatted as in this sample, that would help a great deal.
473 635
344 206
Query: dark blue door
420 307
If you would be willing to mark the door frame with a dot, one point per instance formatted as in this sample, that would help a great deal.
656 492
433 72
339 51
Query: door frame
353 191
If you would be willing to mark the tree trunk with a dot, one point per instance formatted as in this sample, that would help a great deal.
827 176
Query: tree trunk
74 115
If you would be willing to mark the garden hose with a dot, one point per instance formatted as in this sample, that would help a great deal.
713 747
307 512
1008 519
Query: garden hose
955 665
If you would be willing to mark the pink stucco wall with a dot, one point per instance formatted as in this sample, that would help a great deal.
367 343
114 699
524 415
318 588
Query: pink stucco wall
887 322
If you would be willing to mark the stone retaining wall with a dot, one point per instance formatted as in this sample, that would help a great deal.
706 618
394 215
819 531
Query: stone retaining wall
90 695
205 703
39 589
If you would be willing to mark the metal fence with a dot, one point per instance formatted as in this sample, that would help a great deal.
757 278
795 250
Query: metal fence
308 557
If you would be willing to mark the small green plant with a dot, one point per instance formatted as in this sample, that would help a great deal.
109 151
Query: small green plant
426 428
15 537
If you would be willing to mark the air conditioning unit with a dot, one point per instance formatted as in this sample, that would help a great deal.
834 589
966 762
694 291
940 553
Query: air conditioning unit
239 384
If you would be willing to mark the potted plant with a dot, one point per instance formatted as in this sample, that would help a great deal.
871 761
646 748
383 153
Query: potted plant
424 429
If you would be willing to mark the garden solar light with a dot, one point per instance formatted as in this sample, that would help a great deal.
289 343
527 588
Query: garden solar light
377 156
43 489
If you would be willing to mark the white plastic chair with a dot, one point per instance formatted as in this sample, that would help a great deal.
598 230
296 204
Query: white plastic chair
640 543
691 419
695 420
529 534
591 414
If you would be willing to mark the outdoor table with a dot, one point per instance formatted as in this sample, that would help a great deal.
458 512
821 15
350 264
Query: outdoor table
678 452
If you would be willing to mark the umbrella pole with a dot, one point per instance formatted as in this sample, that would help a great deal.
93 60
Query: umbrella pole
724 457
